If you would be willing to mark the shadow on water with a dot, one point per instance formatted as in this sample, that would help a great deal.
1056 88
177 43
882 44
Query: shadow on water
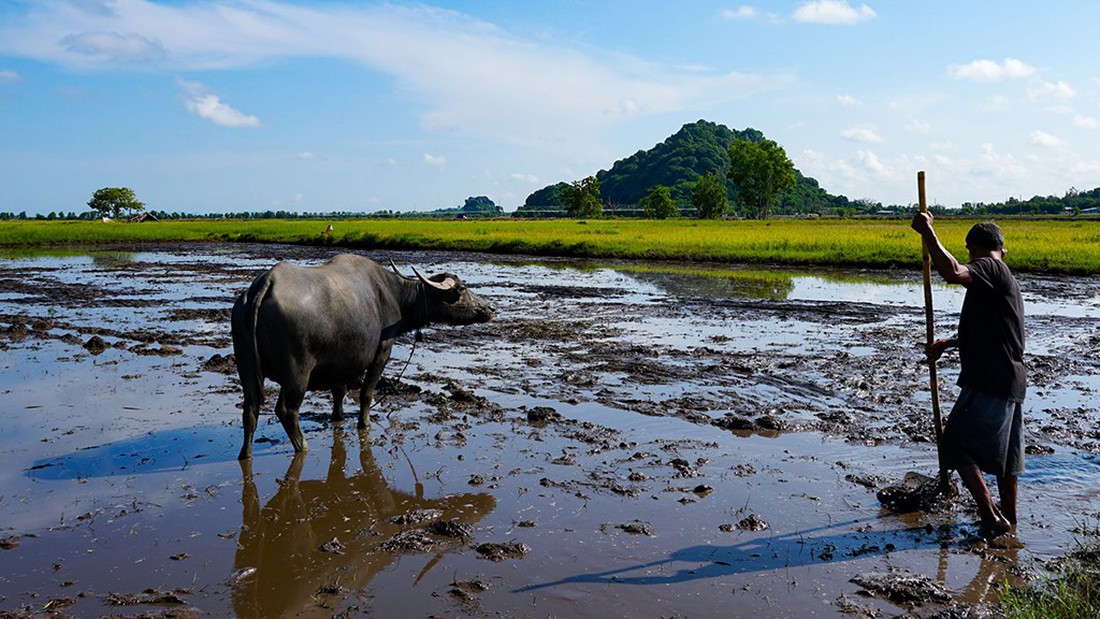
762 554
154 452
316 538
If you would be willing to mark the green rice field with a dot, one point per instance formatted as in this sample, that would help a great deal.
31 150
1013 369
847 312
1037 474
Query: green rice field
1070 246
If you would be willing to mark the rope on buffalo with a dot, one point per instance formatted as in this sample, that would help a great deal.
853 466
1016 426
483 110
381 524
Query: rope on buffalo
418 338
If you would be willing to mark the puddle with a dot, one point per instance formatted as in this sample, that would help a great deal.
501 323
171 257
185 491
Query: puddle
623 437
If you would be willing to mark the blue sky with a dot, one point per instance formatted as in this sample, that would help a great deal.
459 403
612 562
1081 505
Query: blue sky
250 105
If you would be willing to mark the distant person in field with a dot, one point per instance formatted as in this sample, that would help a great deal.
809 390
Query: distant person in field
984 432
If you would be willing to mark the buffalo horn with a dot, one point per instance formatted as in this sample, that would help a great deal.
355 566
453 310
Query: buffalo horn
433 284
393 265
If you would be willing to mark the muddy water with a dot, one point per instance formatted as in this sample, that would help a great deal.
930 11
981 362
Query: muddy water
624 441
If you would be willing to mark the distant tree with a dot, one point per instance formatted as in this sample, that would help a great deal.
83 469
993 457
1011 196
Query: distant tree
761 170
115 202
481 205
582 198
658 203
709 197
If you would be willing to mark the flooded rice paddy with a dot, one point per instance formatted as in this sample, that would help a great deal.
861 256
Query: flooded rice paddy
625 440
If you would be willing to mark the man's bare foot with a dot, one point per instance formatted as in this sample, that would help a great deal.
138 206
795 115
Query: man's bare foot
994 527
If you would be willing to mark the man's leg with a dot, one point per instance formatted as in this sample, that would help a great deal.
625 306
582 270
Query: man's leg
992 521
1006 487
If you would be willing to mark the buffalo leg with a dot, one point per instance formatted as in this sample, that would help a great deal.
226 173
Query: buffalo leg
338 403
249 418
370 381
290 400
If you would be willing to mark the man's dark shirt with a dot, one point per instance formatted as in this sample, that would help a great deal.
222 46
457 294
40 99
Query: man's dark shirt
991 332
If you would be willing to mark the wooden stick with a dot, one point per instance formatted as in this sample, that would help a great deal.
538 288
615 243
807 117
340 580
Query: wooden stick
929 318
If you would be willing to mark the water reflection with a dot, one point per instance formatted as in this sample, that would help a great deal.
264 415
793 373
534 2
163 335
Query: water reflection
719 284
284 569
111 259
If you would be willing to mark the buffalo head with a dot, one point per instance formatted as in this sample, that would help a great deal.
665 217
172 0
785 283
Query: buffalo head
448 300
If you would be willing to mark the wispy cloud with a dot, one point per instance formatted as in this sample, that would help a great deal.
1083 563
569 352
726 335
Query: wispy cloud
7 76
113 47
833 12
1058 91
848 101
466 76
1042 138
435 160
991 70
741 12
1088 122
867 135
209 106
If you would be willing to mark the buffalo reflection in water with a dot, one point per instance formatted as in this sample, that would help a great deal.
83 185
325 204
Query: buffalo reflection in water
281 565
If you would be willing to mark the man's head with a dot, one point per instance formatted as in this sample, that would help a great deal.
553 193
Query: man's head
985 239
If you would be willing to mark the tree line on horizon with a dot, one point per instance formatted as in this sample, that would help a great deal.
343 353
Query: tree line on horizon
704 170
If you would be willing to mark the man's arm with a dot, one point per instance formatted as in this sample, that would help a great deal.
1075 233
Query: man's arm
950 269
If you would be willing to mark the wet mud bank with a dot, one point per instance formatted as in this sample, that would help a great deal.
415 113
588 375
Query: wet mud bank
624 440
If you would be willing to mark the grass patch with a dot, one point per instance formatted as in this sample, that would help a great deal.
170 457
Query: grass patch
1036 245
1073 593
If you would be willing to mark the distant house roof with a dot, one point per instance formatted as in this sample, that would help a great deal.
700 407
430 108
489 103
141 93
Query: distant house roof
143 217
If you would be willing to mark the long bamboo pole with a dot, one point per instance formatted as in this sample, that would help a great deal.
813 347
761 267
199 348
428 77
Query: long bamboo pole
929 323
929 317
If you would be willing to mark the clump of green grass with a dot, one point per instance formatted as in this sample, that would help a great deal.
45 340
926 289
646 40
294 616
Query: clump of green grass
1073 593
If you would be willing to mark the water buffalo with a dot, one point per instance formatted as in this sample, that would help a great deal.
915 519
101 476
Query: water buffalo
324 327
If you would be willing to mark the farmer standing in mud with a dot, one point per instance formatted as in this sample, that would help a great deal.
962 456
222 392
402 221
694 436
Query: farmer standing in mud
984 432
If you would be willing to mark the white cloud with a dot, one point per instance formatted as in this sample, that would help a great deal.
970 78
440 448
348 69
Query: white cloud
1058 91
1089 122
434 160
525 178
915 125
1042 138
306 155
7 76
866 135
741 12
997 102
833 12
870 162
463 75
991 70
209 106
848 101
626 106
114 47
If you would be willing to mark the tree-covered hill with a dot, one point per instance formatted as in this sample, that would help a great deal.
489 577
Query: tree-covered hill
695 150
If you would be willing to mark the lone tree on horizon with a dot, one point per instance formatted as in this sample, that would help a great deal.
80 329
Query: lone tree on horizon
709 198
115 202
582 198
761 172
